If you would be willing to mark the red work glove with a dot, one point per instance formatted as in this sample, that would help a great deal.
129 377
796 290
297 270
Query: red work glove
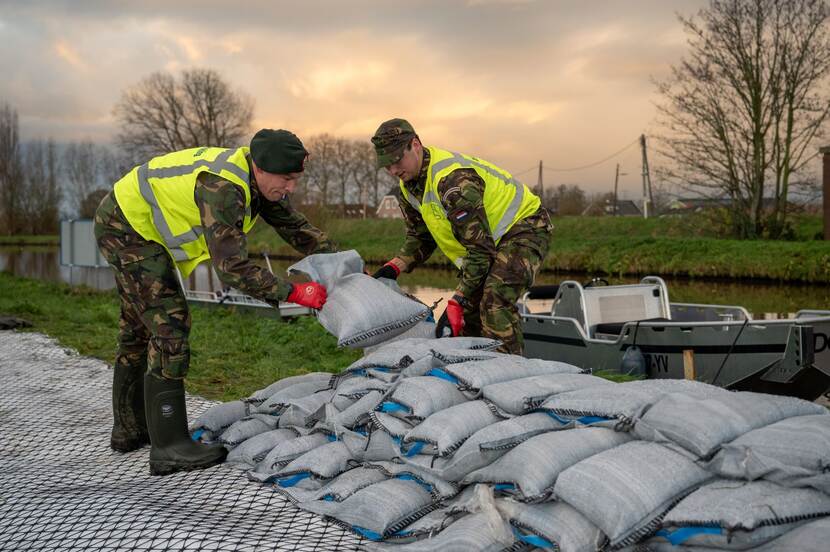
455 316
308 294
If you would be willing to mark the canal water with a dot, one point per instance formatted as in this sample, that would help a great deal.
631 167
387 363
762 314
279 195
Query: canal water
763 299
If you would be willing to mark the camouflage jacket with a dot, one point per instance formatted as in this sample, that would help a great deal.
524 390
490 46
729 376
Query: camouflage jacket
461 191
222 208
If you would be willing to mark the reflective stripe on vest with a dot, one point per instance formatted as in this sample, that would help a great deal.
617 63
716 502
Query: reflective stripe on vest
174 242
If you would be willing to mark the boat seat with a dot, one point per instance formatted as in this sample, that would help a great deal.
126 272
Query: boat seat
615 328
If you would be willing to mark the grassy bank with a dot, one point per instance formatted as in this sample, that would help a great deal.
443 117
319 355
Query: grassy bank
30 240
233 353
676 246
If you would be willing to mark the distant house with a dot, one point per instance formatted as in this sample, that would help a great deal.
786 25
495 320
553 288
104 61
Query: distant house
354 210
625 208
389 208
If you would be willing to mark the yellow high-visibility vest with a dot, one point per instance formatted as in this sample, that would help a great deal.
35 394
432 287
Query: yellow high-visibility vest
506 200
157 199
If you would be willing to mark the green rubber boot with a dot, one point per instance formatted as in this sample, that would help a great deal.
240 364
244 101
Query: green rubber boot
129 428
173 450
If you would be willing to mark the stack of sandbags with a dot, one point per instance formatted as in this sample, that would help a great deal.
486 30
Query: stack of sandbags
442 444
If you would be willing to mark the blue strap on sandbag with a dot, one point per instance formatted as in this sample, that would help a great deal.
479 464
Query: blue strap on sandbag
363 532
444 375
197 434
293 480
533 540
392 406
682 534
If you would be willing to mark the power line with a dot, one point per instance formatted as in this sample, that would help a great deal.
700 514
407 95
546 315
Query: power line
594 164
525 171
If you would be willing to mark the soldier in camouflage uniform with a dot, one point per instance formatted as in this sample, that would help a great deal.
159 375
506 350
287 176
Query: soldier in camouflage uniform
155 320
494 273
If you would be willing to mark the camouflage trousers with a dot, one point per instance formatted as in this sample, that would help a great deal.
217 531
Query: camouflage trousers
155 321
519 256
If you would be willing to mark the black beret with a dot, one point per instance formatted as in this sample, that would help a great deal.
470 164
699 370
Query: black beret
278 151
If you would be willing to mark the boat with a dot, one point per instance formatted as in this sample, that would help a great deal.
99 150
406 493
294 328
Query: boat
634 329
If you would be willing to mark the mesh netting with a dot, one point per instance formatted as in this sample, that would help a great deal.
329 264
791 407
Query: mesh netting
63 488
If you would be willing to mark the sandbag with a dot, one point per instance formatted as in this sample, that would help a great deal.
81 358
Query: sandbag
351 389
621 404
486 445
626 490
348 483
439 488
418 397
360 311
446 430
258 397
483 529
528 471
254 450
286 451
473 375
810 537
276 403
298 412
322 463
552 525
702 424
244 429
396 427
439 519
518 396
400 354
739 515
793 452
217 418
379 510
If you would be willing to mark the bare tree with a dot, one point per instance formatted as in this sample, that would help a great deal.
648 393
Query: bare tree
11 173
81 170
162 113
39 206
743 110
318 171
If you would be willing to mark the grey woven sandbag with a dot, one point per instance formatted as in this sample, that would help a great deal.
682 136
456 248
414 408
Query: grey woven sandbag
299 412
626 490
257 397
519 396
322 463
440 489
355 415
554 525
254 450
738 515
402 353
275 404
700 425
377 511
529 471
793 452
369 446
472 376
215 419
623 402
484 529
351 389
328 268
348 483
444 431
396 427
488 444
361 312
810 537
439 519
286 451
242 430
418 397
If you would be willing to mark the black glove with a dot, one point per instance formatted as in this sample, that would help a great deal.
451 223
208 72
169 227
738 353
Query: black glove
442 327
388 270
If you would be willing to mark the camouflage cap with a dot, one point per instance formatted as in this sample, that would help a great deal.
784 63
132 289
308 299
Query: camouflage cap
390 139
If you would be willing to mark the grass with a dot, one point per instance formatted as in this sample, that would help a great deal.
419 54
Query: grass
233 353
48 239
616 246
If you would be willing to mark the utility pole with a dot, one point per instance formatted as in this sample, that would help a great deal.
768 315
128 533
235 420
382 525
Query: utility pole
647 197
616 182
541 185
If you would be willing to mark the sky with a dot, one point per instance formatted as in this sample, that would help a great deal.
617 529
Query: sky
511 81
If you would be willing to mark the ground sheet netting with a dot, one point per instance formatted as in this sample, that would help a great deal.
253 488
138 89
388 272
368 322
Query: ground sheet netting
63 488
